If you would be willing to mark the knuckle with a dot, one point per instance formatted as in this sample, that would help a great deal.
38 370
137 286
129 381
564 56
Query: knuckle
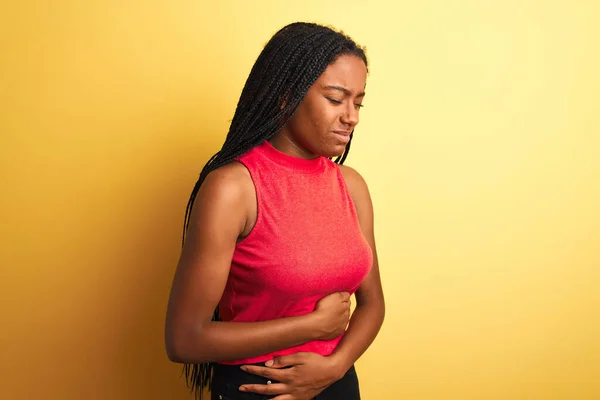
256 389
270 390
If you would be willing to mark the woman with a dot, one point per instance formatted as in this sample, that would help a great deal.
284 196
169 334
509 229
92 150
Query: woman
277 236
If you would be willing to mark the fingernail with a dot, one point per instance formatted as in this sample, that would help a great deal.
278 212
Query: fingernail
244 369
242 389
269 363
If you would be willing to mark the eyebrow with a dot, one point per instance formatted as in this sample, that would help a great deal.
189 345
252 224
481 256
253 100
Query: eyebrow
342 89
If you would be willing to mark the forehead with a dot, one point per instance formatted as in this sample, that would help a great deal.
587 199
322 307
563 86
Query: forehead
348 71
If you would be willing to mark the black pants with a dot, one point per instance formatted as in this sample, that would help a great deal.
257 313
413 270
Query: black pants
228 378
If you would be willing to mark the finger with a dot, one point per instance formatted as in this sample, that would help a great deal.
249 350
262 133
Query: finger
346 296
292 397
288 361
284 397
265 372
273 389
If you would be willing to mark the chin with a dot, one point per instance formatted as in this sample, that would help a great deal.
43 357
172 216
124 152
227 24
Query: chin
332 151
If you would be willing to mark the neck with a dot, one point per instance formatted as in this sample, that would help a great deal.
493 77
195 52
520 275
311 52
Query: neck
285 144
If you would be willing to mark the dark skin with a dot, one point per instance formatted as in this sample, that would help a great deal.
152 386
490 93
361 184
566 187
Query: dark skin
226 205
331 105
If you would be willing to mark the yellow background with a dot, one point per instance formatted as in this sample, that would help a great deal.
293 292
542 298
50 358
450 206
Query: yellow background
480 140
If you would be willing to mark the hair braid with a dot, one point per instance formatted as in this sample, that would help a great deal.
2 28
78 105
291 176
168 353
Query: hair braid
286 68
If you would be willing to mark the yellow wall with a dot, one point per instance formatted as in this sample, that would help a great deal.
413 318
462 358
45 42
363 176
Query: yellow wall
480 141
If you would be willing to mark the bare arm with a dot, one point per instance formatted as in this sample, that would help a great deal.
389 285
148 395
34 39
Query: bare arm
370 305
219 217
311 373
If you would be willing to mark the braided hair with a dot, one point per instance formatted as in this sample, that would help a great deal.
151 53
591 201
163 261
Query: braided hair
287 67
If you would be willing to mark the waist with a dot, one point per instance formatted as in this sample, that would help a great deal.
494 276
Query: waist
227 379
321 347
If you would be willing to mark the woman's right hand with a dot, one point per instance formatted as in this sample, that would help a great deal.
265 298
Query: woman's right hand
332 314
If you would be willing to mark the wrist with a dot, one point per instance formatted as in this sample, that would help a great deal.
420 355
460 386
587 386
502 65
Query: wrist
311 322
339 364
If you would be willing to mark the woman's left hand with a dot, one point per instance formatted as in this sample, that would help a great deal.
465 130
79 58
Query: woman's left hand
307 376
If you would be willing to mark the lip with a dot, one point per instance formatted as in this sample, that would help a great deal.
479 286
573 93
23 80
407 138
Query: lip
343 136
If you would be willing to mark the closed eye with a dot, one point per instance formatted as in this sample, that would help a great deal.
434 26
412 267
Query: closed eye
334 101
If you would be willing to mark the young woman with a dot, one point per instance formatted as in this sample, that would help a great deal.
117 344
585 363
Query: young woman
277 236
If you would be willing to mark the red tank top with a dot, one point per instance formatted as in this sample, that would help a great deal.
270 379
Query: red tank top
306 244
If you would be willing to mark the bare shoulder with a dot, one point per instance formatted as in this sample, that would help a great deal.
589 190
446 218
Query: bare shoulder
359 191
355 182
232 173
224 198
227 183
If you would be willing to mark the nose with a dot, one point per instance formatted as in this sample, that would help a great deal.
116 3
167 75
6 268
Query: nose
350 115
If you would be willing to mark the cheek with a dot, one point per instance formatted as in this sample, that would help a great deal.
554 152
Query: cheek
314 121
323 120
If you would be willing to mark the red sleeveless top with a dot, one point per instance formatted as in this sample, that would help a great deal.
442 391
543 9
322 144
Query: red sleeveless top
306 244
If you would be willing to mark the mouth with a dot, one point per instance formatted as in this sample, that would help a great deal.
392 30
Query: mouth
342 136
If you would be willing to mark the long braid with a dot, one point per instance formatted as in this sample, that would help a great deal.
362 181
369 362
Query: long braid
283 73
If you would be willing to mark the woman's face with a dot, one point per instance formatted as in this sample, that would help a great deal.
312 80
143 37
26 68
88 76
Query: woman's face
324 120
